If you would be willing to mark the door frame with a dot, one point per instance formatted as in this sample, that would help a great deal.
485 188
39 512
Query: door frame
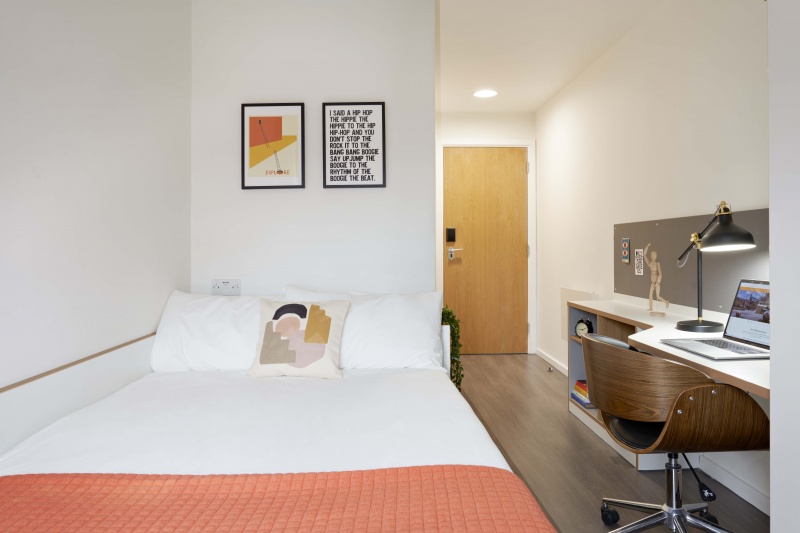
532 187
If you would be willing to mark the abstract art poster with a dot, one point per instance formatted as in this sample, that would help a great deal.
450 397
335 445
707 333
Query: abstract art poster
273 146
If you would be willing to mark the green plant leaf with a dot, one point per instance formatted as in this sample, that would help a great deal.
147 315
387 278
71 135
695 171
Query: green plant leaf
456 370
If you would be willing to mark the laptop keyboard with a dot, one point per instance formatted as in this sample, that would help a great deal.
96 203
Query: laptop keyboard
730 346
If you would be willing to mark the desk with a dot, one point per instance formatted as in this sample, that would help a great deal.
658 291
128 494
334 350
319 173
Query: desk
749 375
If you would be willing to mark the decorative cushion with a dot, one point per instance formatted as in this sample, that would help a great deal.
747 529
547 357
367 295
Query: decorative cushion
299 339
386 330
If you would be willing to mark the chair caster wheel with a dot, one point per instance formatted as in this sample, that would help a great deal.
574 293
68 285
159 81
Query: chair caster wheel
608 515
710 517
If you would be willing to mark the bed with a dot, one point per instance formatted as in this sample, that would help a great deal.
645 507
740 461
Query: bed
386 446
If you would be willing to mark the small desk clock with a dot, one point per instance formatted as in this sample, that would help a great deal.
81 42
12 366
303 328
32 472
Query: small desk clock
583 327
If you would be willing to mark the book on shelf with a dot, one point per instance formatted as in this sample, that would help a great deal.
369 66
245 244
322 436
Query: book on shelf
579 392
582 400
581 384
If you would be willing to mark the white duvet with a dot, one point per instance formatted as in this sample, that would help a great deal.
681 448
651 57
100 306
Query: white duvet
227 423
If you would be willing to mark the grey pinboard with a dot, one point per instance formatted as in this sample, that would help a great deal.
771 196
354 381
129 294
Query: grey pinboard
670 237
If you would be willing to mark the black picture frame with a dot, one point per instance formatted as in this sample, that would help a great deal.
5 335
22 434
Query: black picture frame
348 166
281 155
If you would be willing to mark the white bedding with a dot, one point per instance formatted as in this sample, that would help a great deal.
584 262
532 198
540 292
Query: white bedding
227 423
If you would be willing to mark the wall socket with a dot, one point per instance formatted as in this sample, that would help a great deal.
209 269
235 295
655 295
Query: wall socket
226 287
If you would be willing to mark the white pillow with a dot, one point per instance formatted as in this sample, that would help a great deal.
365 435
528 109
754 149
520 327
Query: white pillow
386 330
200 332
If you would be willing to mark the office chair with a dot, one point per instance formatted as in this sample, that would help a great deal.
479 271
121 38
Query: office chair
649 404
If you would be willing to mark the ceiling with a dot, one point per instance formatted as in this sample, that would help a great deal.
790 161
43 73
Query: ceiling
527 50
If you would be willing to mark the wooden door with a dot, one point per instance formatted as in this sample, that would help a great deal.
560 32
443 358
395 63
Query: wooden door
486 285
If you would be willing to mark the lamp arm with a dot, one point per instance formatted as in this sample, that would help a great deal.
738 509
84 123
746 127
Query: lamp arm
708 227
697 238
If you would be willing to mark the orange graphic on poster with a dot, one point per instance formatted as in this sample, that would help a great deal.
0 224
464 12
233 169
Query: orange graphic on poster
265 129
269 137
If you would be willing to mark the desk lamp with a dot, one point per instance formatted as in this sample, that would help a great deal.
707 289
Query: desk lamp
720 235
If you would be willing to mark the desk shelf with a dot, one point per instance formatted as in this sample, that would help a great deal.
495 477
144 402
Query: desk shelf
611 325
603 324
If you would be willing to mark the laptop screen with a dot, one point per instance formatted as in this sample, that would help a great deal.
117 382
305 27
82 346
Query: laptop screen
750 315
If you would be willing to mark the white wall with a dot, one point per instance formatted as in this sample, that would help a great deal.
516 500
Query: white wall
669 122
784 162
313 52
94 175
490 129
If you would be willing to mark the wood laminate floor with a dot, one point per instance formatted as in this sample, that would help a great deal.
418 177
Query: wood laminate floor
567 467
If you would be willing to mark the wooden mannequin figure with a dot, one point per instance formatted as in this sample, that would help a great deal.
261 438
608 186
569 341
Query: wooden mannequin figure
655 279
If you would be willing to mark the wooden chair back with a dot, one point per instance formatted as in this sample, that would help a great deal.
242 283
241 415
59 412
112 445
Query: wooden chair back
714 417
635 385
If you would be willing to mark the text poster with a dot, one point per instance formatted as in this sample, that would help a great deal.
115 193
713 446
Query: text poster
354 144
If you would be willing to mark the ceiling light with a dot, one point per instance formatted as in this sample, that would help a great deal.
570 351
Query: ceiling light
484 93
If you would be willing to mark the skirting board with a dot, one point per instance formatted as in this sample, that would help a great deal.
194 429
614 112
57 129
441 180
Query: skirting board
749 493
26 409
557 365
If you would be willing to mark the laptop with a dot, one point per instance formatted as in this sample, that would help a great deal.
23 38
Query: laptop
746 334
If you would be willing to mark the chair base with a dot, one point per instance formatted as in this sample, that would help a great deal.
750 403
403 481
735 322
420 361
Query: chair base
676 519
673 514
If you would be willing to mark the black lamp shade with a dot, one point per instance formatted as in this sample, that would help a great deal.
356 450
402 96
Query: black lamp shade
726 236
721 235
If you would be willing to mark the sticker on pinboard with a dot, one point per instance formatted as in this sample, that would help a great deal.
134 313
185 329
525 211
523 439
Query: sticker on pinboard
638 265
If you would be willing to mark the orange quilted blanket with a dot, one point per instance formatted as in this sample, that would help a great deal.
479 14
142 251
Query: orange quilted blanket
424 498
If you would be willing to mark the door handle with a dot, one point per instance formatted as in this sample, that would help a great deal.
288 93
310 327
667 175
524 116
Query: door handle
451 253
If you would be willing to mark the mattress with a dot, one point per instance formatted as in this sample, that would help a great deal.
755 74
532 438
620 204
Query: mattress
228 423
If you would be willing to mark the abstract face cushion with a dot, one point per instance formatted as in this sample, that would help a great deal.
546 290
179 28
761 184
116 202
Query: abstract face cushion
299 339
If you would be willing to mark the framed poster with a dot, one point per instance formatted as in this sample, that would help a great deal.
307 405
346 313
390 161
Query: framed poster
273 146
353 144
